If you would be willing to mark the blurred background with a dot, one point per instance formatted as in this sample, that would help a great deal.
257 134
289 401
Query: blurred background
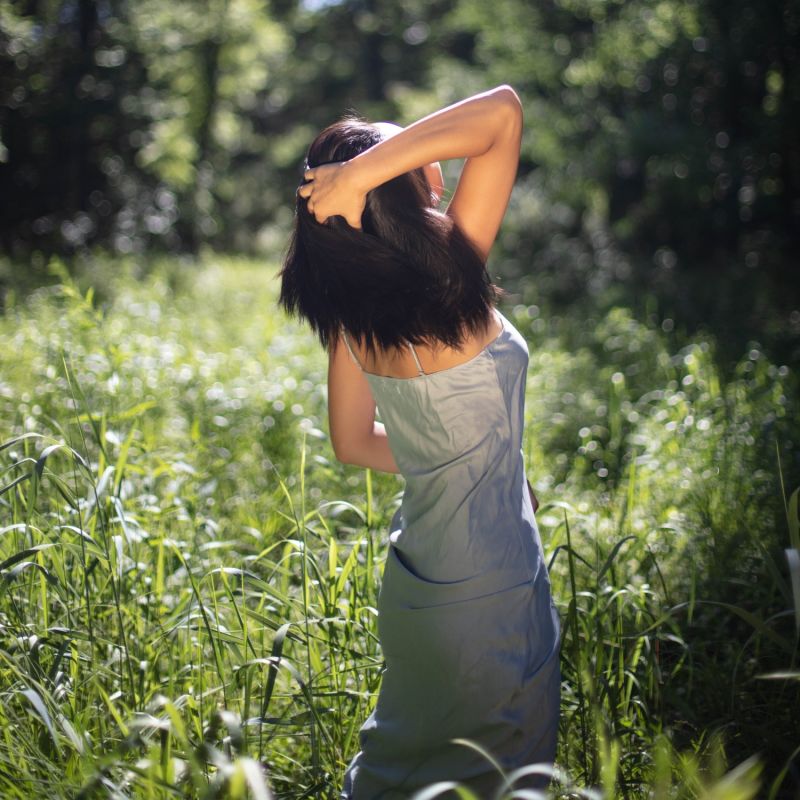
158 415
660 165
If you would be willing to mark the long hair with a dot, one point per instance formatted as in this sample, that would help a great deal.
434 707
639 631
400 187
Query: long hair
409 275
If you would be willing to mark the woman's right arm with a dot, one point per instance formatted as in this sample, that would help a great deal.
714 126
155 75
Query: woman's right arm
356 436
486 129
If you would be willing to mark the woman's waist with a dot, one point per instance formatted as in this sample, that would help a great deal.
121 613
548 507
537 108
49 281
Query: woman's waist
431 455
471 498
404 586
455 549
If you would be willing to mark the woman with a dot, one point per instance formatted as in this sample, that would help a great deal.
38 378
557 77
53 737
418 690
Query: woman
398 293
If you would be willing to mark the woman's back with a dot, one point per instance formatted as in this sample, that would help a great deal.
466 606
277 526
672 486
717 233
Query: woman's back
401 362
456 435
467 626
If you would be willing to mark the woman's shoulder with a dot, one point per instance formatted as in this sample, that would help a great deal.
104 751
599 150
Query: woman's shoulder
400 362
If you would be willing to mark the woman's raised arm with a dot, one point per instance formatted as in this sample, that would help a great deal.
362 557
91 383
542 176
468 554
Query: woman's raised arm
485 129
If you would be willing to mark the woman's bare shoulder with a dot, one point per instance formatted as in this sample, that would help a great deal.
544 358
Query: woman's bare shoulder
400 363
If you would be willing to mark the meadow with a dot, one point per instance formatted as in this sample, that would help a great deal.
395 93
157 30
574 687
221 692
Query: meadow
189 577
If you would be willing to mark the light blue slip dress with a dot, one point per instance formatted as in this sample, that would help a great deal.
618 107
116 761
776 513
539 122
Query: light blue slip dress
467 625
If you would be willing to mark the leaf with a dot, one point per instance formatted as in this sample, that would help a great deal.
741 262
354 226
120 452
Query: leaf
253 775
12 442
339 506
612 555
794 523
80 532
349 565
787 675
439 789
17 526
485 754
232 571
77 742
550 770
122 460
776 784
19 568
277 650
793 557
40 708
40 462
756 622
23 554
567 549
13 483
740 783
128 413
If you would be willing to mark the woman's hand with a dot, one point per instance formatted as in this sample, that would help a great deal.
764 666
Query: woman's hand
330 191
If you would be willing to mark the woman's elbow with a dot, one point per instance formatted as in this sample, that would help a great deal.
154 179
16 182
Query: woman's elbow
344 451
508 98
344 458
506 109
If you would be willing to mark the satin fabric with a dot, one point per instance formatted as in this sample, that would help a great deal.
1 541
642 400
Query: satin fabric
466 621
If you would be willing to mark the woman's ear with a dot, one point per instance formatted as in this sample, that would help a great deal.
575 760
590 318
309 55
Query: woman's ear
433 174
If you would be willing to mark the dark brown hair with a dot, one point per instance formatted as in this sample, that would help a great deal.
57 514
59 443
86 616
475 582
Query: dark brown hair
409 275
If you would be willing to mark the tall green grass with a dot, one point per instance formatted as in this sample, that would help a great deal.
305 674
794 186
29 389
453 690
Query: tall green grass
190 579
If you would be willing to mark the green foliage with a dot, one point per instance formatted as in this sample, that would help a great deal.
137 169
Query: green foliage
190 578
658 164
640 183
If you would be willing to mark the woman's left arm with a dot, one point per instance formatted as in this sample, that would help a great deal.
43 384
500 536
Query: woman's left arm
356 436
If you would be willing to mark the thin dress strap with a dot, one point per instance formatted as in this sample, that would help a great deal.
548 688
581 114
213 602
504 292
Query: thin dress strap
416 358
350 350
